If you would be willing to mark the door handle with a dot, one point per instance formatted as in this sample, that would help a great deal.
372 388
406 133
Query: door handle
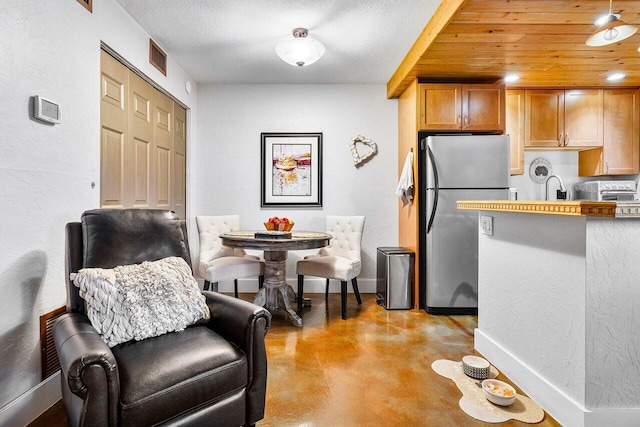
566 139
560 140
466 121
436 189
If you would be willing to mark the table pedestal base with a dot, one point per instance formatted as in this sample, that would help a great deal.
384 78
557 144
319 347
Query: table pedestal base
276 295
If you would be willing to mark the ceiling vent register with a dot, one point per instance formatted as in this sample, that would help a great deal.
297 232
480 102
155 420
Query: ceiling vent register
157 57
88 4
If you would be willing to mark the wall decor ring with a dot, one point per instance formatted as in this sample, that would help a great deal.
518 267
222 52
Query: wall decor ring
540 169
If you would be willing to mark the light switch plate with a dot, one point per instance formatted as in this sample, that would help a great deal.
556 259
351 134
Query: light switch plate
486 225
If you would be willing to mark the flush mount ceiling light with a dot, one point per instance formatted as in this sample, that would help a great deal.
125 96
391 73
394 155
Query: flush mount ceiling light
611 31
300 50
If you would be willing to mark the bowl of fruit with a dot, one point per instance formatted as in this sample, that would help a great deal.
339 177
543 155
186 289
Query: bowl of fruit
279 224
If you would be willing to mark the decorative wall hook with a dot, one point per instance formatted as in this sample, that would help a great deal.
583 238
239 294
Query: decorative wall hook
369 150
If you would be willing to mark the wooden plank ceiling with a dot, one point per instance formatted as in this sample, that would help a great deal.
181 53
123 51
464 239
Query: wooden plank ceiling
543 41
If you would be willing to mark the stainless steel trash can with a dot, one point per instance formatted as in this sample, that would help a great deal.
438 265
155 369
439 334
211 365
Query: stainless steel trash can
395 272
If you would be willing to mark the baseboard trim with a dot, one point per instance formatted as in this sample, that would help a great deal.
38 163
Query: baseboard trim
555 402
33 403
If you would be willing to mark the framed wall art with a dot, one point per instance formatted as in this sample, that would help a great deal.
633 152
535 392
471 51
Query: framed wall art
291 169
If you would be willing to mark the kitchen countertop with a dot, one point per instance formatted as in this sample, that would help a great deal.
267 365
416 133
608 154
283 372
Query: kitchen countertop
553 207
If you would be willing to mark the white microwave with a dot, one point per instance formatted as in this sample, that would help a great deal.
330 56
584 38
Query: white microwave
605 191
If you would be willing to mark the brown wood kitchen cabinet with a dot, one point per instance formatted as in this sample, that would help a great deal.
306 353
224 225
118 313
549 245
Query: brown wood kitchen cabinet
514 122
564 118
461 107
619 154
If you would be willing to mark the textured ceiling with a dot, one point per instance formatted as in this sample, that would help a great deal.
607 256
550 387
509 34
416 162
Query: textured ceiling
232 41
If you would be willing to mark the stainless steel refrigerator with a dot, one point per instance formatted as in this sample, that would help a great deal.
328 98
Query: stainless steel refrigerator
457 167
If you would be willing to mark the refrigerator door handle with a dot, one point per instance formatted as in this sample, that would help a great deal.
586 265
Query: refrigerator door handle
436 188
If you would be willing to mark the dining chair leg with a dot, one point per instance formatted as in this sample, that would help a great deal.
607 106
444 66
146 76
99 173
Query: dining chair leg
214 286
235 288
206 285
354 283
300 291
261 281
343 297
326 291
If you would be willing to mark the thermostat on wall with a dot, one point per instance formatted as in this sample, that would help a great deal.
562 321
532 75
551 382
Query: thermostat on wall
45 110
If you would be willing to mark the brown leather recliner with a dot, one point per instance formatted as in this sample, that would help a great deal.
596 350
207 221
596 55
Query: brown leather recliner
212 374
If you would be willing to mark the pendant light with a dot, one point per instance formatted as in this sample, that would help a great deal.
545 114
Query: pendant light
300 50
611 31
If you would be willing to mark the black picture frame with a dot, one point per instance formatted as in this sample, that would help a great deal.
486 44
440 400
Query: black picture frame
291 170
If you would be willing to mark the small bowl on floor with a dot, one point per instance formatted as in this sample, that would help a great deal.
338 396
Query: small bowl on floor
498 392
475 367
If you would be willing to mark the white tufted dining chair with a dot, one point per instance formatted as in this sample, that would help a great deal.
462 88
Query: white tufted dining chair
339 261
218 262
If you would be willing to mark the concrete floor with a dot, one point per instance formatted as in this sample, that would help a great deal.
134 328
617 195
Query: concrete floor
373 369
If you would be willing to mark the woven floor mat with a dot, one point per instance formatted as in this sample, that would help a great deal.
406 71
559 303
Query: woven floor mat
474 403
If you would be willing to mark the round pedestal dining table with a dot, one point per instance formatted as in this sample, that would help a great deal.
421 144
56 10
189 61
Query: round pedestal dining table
276 295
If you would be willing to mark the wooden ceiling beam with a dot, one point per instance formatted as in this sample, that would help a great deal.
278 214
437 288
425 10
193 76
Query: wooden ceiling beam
399 81
440 50
548 17
551 5
521 28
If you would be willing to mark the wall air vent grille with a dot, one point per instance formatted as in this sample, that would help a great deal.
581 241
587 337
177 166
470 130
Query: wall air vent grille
48 353
88 4
157 57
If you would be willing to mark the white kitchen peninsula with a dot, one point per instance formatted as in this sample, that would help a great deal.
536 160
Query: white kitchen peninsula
559 306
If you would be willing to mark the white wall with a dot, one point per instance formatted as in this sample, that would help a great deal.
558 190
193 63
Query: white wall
51 48
557 313
227 159
564 164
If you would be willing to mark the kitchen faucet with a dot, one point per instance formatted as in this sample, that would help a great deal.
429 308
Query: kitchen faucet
561 194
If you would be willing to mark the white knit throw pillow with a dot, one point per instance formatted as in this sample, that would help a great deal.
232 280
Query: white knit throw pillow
142 300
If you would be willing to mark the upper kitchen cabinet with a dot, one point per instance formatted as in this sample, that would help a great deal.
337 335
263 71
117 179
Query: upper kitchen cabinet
583 112
619 154
563 118
462 107
514 122
544 118
621 132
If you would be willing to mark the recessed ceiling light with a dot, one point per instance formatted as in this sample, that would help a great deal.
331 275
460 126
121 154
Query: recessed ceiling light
510 78
615 77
